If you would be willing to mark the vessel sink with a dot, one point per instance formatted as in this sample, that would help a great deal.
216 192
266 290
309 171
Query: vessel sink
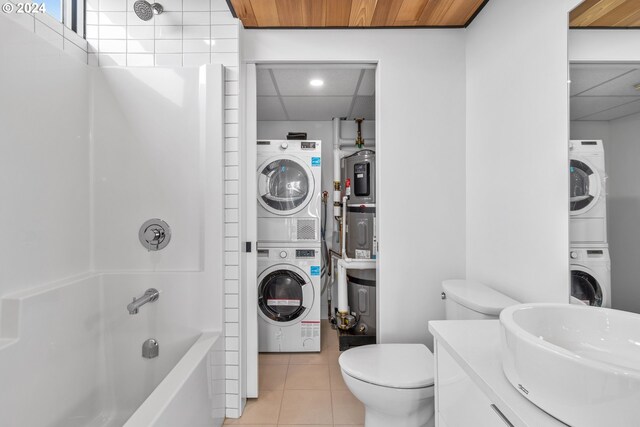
580 364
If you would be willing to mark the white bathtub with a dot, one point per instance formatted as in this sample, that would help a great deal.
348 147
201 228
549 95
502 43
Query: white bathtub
70 355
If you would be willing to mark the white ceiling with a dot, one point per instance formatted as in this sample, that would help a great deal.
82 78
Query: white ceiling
284 93
604 91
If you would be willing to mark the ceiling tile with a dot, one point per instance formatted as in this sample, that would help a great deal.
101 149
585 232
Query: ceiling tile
365 106
620 86
337 82
317 108
265 83
368 84
586 105
617 112
270 108
587 76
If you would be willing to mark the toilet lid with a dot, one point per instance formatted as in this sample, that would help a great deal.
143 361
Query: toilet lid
390 365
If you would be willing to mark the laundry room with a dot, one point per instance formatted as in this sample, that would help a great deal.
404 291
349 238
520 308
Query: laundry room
316 212
604 195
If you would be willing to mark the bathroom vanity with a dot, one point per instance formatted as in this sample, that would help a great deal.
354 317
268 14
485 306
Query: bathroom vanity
471 389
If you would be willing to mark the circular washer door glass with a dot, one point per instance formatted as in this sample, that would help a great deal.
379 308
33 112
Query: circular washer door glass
281 297
284 185
581 183
586 288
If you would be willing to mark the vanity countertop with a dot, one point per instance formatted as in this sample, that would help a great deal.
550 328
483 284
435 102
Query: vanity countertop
475 346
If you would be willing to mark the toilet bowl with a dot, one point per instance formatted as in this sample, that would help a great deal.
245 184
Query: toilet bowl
395 382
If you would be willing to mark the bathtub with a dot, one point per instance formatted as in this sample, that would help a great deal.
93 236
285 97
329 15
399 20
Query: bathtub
70 354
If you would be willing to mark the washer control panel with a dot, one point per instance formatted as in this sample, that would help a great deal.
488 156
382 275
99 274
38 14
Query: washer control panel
305 253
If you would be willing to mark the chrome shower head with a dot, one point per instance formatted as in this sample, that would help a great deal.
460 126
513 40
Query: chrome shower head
145 10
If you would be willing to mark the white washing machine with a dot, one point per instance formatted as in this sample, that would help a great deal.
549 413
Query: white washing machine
591 275
289 190
289 298
587 193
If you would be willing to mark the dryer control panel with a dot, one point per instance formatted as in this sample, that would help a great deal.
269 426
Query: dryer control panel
305 253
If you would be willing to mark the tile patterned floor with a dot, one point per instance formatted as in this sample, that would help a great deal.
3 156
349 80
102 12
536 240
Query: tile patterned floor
302 390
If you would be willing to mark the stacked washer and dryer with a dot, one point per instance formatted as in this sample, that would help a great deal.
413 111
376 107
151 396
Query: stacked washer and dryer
289 245
589 252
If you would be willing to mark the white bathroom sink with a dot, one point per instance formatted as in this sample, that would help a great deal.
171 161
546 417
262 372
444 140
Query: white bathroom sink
580 364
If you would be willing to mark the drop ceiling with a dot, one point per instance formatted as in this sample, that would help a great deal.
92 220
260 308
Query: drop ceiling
604 91
285 93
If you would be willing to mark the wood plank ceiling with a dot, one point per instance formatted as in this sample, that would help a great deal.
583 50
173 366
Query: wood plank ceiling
355 13
606 14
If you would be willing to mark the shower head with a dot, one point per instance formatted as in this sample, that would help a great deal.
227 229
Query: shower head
146 10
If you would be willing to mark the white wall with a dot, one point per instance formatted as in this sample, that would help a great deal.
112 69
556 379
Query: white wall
44 159
420 132
517 132
604 45
322 130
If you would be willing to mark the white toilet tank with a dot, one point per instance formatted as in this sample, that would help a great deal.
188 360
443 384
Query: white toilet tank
470 300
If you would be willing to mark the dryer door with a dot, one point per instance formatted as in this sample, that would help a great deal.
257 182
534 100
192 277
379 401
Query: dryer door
285 185
585 286
285 294
584 186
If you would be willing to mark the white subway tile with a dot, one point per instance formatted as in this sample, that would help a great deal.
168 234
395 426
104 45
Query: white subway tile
169 46
93 45
140 60
196 18
232 401
195 59
140 46
196 6
74 38
229 59
232 372
231 386
113 5
231 315
232 343
168 59
140 32
92 18
232 412
112 18
219 5
231 272
168 32
231 172
222 18
231 144
231 88
49 35
196 46
231 300
231 258
231 357
231 187
231 130
110 59
224 31
93 59
133 19
231 286
231 200
92 31
112 46
231 244
224 45
231 116
75 51
116 32
168 18
92 5
172 5
231 74
231 102
230 215
197 32
231 230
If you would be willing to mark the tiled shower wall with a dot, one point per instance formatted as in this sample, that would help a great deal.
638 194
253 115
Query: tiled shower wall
187 33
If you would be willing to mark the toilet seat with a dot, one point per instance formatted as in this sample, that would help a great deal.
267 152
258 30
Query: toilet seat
402 366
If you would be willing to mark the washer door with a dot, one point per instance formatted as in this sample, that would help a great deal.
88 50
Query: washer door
285 185
285 294
584 186
585 286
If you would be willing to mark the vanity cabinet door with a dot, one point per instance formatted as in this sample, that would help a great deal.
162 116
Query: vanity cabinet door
459 402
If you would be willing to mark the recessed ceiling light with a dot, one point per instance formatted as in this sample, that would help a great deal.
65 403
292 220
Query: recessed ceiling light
316 82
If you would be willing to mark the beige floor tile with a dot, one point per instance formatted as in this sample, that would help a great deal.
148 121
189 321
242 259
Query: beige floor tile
348 425
335 377
308 377
309 359
264 410
346 408
274 358
306 407
272 377
332 357
230 421
307 425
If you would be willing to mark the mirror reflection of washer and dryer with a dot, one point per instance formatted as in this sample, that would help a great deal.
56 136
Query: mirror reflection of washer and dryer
289 247
589 250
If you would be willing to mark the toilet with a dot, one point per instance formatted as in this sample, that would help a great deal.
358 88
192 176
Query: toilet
395 381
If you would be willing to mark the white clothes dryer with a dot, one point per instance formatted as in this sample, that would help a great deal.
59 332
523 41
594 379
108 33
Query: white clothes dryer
289 298
289 190
587 192
591 275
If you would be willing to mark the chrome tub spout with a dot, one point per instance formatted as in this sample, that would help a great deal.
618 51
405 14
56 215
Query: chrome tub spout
150 295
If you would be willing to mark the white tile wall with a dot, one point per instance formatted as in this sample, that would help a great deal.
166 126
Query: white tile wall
53 32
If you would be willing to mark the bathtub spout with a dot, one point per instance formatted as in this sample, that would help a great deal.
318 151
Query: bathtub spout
150 295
